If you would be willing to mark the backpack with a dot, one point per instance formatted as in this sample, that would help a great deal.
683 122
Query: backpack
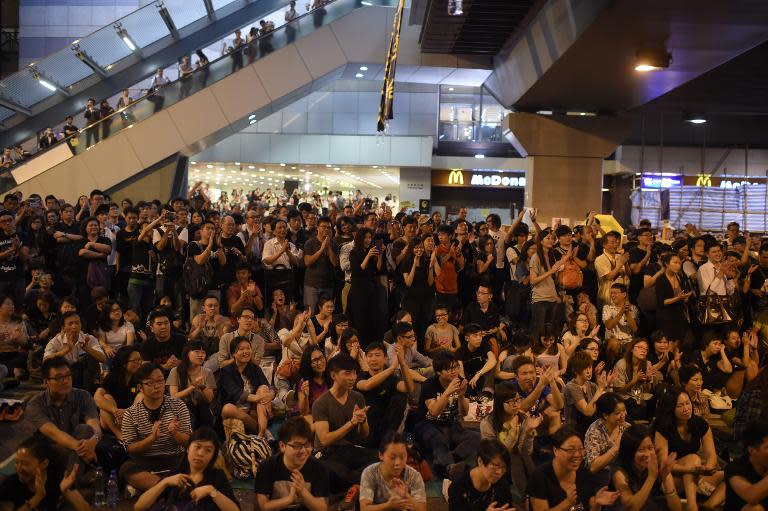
570 277
197 277
245 453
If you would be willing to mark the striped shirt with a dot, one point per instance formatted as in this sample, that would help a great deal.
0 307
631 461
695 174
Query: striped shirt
137 426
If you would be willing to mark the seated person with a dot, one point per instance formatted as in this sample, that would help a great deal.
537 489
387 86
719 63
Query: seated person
486 486
678 430
477 361
601 440
81 350
515 430
341 425
644 481
442 404
292 478
746 482
114 331
713 361
485 313
391 483
419 365
155 431
193 384
244 291
40 482
118 391
247 324
196 481
68 417
565 483
540 396
385 393
243 390
164 346
294 342
441 335
209 325
314 380
581 393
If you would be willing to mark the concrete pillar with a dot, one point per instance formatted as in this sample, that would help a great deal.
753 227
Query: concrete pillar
565 176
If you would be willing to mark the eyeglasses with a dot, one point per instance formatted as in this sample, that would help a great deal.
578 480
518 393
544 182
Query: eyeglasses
441 315
153 383
513 400
61 378
248 317
317 361
301 447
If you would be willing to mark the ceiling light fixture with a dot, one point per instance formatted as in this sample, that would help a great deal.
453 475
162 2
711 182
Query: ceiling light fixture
696 119
363 68
479 156
652 59
359 75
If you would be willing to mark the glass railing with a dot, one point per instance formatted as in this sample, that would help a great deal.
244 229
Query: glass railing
200 78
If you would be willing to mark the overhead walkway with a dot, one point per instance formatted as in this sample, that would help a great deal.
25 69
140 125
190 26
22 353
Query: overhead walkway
117 56
344 39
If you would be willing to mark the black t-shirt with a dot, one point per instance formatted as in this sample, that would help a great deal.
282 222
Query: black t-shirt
143 260
123 394
274 479
124 242
543 484
473 361
159 352
378 397
462 494
226 274
487 320
10 267
743 468
420 287
179 499
432 389
636 279
14 491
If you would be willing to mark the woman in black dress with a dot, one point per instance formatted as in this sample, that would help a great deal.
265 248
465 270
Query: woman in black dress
365 262
419 275
672 293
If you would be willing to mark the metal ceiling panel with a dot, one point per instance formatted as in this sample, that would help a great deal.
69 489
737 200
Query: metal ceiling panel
145 26
23 89
105 47
65 67
184 12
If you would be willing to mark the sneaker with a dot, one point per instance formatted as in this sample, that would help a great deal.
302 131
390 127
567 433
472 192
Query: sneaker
350 499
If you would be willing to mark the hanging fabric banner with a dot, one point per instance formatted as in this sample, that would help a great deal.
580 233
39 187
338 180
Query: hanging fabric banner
388 87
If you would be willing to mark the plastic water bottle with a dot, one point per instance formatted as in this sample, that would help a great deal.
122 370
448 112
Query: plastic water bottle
112 490
99 497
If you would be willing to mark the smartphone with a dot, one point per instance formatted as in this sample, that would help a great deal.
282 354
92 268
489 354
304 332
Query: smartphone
379 245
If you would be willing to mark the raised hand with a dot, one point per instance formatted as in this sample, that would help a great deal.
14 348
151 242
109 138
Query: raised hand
603 497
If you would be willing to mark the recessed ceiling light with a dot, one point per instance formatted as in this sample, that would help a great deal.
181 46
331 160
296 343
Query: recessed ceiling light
193 162
252 122
252 116
251 167
479 156
359 75
363 68
450 89
209 166
271 171
328 165
336 168
282 164
262 170
697 120
302 170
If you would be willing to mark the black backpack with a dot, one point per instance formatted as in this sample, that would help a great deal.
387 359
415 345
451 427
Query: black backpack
197 277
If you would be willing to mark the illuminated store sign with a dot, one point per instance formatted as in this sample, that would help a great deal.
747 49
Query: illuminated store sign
476 178
660 182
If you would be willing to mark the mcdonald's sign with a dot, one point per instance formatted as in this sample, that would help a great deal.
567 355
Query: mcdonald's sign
704 180
456 177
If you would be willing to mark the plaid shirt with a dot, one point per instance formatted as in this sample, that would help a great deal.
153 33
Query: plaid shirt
749 407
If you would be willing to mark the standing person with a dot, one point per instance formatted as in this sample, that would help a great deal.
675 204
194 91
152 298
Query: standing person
159 81
639 258
155 431
365 262
205 251
611 267
672 293
185 76
48 138
341 427
105 114
545 302
565 481
237 51
448 263
92 115
292 478
712 276
280 257
320 261
391 483
196 481
202 63
418 270
290 28
123 102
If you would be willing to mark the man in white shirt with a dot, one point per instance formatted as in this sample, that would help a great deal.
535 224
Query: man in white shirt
611 267
81 350
712 274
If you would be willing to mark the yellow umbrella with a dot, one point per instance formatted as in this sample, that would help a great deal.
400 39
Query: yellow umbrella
609 223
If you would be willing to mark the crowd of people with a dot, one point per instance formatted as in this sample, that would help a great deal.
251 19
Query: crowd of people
362 351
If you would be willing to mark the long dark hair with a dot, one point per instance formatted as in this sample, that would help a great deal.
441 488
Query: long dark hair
337 318
630 443
183 367
306 371
666 420
359 243
345 336
116 375
202 434
545 261
548 330
105 322
501 394
630 368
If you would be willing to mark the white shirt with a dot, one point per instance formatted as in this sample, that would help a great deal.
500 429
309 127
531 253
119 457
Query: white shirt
272 247
706 277
57 344
498 238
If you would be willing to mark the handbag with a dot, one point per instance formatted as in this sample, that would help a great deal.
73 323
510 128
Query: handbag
713 309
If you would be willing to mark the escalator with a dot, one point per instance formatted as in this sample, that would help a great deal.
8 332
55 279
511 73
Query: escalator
117 56
213 102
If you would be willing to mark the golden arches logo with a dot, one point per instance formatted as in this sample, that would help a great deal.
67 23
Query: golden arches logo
704 180
456 177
